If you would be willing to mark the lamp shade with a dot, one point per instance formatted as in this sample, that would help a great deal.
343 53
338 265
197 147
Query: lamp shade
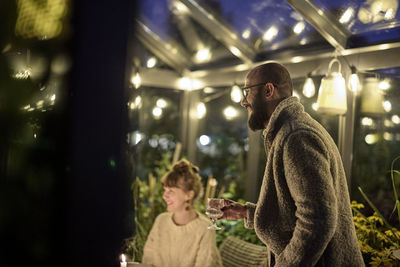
332 92
371 98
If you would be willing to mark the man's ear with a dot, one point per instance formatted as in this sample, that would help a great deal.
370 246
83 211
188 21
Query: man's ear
269 89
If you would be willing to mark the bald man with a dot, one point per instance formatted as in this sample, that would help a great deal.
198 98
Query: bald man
303 212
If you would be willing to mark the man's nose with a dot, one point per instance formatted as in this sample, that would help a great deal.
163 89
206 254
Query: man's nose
244 102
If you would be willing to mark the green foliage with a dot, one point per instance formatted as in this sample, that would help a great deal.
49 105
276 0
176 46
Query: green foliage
378 239
236 229
148 204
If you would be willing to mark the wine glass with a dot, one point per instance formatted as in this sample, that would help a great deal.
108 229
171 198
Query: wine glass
213 211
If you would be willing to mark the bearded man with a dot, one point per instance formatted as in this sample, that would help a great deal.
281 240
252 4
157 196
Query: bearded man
303 212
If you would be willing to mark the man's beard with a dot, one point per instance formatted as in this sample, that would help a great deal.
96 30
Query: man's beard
259 117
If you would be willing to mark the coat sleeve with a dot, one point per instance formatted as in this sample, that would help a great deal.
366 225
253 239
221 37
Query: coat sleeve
249 219
208 253
310 182
151 251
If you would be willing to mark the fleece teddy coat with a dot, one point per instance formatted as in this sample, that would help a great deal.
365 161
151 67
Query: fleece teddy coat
303 213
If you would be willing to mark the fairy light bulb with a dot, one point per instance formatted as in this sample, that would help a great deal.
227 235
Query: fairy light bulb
354 81
236 94
309 87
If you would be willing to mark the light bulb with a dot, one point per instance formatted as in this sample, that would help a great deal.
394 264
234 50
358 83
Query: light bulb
201 110
230 112
346 15
203 54
236 94
354 81
270 34
299 27
151 62
309 88
387 106
136 80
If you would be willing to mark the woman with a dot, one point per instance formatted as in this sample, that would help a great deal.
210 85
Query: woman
180 237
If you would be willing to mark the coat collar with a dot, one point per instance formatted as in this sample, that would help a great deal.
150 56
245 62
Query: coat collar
285 109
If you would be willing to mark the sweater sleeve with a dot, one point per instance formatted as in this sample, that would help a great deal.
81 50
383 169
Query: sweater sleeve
151 253
208 253
310 183
249 219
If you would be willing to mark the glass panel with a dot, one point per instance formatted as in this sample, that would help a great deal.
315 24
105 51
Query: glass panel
155 14
159 17
265 25
155 124
222 140
143 58
370 22
377 137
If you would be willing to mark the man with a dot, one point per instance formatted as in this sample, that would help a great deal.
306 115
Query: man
303 212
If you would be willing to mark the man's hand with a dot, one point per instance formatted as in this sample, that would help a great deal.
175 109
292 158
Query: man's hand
233 210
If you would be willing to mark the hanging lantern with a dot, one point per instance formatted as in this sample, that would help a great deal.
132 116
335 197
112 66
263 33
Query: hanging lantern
332 92
371 98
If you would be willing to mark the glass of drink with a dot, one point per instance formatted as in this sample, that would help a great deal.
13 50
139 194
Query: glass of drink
213 211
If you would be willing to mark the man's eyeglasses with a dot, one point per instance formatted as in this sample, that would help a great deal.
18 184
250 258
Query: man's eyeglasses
245 90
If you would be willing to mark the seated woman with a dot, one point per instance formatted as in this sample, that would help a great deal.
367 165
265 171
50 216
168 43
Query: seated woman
180 237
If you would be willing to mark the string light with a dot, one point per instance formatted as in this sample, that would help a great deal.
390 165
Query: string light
201 110
236 94
136 80
270 34
354 81
151 62
203 55
299 27
230 112
309 87
346 15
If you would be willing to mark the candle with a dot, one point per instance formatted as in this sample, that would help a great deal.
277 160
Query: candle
123 261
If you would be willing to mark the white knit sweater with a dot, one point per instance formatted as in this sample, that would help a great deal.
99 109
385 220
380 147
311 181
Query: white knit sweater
190 245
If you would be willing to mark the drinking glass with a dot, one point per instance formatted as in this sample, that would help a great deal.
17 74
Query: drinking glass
213 211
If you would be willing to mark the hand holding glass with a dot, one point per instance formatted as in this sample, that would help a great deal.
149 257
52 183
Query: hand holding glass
213 211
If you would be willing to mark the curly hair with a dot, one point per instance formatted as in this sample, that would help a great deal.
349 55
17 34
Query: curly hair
185 176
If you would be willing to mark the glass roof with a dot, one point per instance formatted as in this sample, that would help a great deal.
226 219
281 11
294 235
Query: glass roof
362 16
159 16
155 15
265 25
369 22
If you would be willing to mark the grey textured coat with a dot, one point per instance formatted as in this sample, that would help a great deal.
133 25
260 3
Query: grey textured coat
303 213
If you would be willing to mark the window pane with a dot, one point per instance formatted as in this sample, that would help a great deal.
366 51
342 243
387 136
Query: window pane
158 112
377 136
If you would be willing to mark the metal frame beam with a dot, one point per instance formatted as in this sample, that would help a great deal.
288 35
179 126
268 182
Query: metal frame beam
335 34
364 59
221 32
170 53
299 65
189 34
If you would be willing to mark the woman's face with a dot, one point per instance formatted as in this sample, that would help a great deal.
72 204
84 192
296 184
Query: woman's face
175 198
